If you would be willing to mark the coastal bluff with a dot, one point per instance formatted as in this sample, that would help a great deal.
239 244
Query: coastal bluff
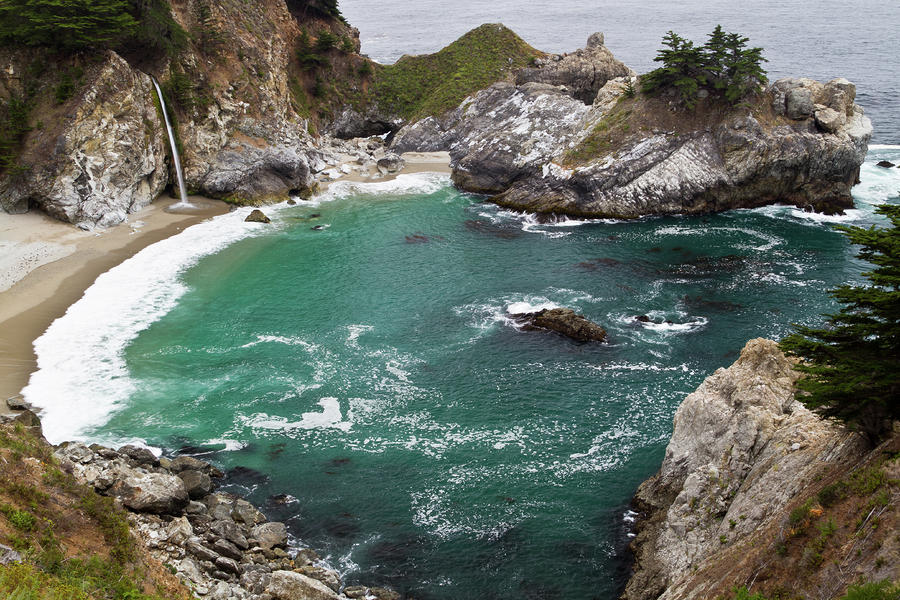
756 491
565 134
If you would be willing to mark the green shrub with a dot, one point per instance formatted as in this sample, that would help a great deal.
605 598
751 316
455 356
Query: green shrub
830 494
882 590
20 519
799 514
325 41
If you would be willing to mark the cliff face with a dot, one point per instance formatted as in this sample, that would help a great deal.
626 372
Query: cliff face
738 500
97 150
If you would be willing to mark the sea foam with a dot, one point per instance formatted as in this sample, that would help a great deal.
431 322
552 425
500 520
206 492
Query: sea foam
82 378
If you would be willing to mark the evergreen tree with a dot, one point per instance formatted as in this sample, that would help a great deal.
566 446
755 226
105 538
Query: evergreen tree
852 365
723 65
65 24
682 68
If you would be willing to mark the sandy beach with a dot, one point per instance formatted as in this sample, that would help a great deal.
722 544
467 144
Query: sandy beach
46 265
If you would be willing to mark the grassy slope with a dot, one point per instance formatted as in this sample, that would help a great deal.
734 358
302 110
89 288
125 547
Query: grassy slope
843 531
76 544
635 118
432 84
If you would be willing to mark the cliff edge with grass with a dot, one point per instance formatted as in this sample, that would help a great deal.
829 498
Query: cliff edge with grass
759 498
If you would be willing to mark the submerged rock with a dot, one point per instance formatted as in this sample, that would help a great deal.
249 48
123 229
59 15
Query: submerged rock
564 321
885 164
257 216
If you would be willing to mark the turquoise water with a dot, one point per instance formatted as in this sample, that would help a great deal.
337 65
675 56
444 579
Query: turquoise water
370 371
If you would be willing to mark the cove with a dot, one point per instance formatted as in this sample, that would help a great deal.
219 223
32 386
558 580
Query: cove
363 381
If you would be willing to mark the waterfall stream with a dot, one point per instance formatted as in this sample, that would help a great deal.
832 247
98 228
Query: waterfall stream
175 157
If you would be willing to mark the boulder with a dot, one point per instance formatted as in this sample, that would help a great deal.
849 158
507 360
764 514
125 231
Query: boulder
288 585
390 163
257 216
231 531
566 322
228 565
581 73
886 164
226 548
326 576
139 456
244 512
152 492
799 103
269 535
9 556
17 403
28 419
179 531
197 484
829 119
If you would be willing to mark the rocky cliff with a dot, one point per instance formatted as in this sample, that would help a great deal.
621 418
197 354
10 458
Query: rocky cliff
756 491
536 146
94 146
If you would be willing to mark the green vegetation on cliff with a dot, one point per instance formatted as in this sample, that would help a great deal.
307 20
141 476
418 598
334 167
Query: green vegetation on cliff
723 65
75 544
419 86
852 365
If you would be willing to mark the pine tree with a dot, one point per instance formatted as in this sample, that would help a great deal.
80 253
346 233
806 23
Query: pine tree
741 67
682 68
65 24
852 365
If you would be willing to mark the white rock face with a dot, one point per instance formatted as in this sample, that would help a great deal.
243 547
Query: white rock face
741 450
109 159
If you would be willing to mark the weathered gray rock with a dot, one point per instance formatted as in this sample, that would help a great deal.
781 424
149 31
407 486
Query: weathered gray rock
228 565
17 403
514 142
244 512
139 456
269 535
741 449
390 163
248 174
152 492
197 484
231 532
374 121
287 585
9 556
196 548
226 548
581 73
179 531
566 322
326 576
106 160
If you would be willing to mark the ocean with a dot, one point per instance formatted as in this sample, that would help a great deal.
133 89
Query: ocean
857 40
365 382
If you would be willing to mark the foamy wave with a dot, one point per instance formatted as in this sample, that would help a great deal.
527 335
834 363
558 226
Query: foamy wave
330 418
770 241
519 308
407 183
82 377
230 445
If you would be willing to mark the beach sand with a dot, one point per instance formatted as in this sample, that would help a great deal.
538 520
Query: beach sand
46 265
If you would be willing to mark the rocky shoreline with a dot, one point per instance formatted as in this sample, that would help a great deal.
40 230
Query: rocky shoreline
217 544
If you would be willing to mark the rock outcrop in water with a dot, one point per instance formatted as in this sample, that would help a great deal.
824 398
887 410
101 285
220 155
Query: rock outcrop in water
718 514
537 148
564 321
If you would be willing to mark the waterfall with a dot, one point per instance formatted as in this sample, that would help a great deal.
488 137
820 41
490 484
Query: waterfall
175 158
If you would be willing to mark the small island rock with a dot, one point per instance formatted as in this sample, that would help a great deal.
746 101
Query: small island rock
566 322
257 216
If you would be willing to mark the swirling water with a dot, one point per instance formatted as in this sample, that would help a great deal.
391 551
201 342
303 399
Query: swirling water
369 369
